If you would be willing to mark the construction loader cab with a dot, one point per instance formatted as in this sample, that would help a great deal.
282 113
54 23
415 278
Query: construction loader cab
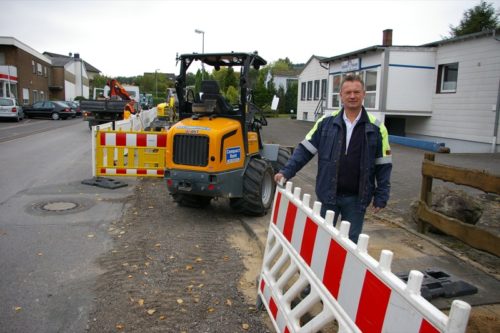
215 150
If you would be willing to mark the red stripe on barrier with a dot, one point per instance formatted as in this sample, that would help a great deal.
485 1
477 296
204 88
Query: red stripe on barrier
291 213
286 330
103 170
276 207
141 140
142 171
121 139
103 138
121 171
307 247
372 304
262 285
160 172
161 140
334 268
273 308
427 327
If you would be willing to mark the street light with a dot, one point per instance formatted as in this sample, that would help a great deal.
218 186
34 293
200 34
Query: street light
202 49
156 83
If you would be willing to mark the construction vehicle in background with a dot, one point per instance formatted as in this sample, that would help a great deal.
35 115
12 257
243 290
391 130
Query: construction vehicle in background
166 112
216 149
115 102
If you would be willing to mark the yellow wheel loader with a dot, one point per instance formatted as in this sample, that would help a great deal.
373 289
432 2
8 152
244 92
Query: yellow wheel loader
215 149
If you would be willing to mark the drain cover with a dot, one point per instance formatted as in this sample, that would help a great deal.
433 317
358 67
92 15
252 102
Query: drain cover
59 206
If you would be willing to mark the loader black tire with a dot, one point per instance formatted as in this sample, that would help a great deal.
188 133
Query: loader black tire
191 200
283 157
258 189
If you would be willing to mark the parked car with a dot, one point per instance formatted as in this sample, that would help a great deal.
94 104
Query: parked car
52 109
10 108
75 106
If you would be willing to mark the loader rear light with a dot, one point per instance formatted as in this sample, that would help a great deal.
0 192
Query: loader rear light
211 187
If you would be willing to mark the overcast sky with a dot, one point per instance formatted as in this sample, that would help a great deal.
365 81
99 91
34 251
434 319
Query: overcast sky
128 38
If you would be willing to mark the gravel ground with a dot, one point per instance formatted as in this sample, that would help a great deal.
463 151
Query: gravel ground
175 269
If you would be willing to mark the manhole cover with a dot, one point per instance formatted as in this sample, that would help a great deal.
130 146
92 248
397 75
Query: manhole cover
59 206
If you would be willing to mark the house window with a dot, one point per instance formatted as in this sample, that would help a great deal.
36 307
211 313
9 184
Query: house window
309 90
337 80
39 69
323 89
33 66
26 96
447 78
370 78
303 91
35 96
45 71
42 96
316 90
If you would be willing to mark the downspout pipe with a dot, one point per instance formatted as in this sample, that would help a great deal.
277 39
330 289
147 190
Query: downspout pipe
495 128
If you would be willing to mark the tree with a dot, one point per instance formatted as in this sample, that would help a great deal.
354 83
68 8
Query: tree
476 19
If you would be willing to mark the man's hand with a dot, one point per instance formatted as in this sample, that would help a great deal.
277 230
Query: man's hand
279 178
375 210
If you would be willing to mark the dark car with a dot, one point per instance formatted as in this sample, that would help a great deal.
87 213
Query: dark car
75 106
10 108
52 109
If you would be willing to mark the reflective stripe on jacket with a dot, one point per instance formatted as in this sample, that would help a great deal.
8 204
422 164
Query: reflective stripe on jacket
325 140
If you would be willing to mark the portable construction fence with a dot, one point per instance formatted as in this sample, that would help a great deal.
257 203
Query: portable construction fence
128 151
349 290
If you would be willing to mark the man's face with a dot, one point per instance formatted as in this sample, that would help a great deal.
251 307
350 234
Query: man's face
352 95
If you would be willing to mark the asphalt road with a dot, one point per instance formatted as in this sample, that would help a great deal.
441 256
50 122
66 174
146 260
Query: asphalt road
52 228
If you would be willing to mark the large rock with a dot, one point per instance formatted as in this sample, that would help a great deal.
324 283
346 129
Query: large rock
456 204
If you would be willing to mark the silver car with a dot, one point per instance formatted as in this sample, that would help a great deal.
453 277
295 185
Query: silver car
10 108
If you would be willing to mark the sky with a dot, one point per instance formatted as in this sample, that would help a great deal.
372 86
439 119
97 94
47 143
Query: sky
129 38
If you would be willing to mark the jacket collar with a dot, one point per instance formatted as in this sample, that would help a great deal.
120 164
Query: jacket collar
363 119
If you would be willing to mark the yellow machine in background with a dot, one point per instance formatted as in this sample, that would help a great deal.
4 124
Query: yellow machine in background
166 113
216 149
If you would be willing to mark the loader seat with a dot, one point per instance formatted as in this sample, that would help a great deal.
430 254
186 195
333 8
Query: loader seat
211 91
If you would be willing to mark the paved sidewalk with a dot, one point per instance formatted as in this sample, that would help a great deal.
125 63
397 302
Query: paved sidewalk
393 229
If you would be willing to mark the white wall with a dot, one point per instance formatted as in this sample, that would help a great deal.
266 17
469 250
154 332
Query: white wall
313 71
468 114
411 80
78 88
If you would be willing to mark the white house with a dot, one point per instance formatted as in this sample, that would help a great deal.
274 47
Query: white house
445 91
72 76
311 98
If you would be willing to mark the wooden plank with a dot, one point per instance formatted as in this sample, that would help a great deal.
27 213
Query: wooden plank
425 193
461 176
470 234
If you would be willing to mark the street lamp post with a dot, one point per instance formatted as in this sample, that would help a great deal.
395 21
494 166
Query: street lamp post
156 82
202 49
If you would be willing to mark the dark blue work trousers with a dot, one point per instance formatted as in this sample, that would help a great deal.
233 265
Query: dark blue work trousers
348 208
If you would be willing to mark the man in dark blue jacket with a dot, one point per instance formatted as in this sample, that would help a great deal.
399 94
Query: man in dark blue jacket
354 159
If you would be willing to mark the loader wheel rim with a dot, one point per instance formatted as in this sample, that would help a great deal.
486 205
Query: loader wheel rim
267 189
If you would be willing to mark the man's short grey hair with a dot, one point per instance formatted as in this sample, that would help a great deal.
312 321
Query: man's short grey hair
352 78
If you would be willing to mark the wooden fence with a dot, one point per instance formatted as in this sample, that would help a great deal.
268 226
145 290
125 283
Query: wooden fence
470 234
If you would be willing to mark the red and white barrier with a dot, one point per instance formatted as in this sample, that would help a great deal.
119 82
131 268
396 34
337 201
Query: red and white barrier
347 285
130 153
136 122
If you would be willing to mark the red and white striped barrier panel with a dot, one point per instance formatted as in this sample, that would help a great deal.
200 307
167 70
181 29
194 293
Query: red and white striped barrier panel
349 289
120 153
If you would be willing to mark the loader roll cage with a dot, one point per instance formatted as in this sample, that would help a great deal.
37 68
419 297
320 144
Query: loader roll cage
246 61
